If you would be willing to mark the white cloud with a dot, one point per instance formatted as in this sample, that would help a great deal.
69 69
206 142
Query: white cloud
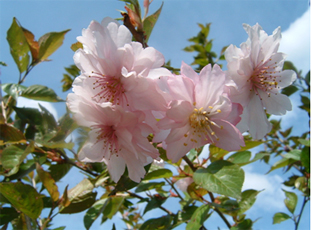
24 102
296 42
270 184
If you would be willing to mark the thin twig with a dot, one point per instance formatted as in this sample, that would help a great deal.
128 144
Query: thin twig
141 198
189 162
305 200
173 187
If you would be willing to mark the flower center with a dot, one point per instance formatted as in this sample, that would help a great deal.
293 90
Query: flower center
202 126
266 78
108 136
108 89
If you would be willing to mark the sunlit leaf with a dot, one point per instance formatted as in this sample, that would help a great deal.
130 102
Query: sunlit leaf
281 163
290 201
160 173
23 197
33 44
76 46
48 182
221 177
49 43
240 158
280 217
92 214
198 218
247 200
41 93
18 46
150 22
112 206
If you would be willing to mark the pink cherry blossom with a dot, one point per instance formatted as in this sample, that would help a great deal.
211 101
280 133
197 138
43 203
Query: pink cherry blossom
257 77
114 69
117 137
200 113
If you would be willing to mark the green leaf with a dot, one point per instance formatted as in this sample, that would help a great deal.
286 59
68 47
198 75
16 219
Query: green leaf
13 89
290 200
279 217
305 142
41 93
7 215
247 200
294 154
157 174
305 158
3 63
49 43
58 171
112 206
150 22
281 163
23 197
10 134
198 218
289 90
18 46
240 158
48 119
93 213
13 155
301 183
76 46
143 186
157 223
221 177
48 182
244 225
81 197
154 202
29 115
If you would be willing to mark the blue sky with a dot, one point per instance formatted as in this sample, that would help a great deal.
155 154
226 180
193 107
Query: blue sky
177 22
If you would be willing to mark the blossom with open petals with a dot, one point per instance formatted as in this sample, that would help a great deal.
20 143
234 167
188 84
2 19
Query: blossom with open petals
116 70
200 113
256 72
117 137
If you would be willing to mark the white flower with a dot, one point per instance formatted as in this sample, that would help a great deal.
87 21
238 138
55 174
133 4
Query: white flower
257 77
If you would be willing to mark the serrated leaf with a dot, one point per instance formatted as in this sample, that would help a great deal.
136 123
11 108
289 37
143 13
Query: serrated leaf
41 93
48 182
280 217
198 218
221 177
49 43
157 174
13 155
150 22
157 223
18 46
23 197
290 201
93 213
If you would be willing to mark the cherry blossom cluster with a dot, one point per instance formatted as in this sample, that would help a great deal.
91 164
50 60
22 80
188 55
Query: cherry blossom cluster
126 98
